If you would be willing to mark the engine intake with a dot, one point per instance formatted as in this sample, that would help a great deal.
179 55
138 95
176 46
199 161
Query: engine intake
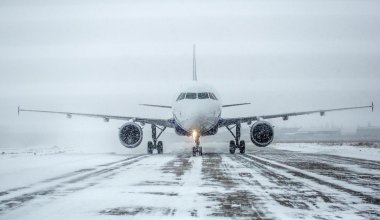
262 133
130 135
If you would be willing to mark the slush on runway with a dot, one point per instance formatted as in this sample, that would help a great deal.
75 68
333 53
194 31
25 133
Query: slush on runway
266 183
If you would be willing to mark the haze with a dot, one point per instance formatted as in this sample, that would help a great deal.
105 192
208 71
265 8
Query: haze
108 56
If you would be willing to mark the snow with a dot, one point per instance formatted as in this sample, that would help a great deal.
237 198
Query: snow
61 183
360 152
30 166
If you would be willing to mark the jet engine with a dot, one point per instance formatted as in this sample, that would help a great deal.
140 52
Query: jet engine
262 133
130 135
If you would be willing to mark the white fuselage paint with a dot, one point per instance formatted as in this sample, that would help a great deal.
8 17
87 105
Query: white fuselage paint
199 115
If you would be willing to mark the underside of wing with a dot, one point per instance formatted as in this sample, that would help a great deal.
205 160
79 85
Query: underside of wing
106 118
284 116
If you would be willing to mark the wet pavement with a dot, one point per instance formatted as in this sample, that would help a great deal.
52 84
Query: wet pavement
261 184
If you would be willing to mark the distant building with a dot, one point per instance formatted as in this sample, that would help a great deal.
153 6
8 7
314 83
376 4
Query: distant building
309 134
286 130
368 132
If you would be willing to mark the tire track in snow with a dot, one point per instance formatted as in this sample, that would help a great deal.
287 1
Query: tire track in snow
299 189
359 172
322 180
232 200
61 177
173 181
66 184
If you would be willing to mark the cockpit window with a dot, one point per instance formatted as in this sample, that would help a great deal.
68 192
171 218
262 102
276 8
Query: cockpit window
181 96
212 96
191 95
203 95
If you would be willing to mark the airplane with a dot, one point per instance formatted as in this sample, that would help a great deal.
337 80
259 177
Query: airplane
197 112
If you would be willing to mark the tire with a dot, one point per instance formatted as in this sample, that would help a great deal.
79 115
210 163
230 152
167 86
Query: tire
194 152
200 151
150 147
160 147
242 147
232 147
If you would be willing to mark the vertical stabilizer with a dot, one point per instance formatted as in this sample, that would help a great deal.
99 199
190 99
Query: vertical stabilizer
194 65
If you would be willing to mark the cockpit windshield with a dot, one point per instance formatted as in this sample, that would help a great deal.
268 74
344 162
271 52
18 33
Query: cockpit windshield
191 95
203 95
181 96
212 96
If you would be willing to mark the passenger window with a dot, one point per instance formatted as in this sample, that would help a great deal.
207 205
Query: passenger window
191 95
203 95
212 96
181 96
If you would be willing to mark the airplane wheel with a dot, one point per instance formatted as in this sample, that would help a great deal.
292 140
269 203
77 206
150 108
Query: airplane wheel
242 147
232 147
150 147
200 151
160 147
194 152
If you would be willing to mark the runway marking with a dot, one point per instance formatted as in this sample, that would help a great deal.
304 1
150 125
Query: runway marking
63 188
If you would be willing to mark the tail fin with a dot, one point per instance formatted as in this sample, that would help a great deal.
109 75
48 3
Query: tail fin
194 65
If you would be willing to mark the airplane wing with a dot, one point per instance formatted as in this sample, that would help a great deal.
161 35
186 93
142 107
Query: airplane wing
231 105
106 118
158 106
284 116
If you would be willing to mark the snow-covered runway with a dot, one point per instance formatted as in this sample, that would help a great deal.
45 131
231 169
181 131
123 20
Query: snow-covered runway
268 183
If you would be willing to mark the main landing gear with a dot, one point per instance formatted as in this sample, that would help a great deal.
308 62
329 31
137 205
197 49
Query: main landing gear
197 149
237 143
156 144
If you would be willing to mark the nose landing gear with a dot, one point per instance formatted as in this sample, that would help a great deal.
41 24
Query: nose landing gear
156 144
197 149
237 143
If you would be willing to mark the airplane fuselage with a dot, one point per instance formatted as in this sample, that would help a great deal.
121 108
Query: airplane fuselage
197 109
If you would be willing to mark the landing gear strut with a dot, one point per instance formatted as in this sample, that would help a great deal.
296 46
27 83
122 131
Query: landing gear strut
156 144
237 143
197 149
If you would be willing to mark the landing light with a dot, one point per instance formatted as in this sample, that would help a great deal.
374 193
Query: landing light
194 134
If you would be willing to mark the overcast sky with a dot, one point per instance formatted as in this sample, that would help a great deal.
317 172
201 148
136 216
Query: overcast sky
108 56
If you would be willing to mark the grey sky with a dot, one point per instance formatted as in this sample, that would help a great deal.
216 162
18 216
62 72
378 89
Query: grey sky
108 56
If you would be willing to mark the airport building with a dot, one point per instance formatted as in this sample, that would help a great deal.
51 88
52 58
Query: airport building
371 132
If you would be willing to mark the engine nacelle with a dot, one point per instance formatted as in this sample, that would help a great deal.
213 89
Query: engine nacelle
130 135
262 133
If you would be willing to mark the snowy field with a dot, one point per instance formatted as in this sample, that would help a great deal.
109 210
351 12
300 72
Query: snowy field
283 181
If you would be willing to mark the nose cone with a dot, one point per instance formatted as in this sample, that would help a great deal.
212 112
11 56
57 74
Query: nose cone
199 119
194 120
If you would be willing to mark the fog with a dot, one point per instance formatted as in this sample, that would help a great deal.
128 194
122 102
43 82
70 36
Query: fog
108 56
